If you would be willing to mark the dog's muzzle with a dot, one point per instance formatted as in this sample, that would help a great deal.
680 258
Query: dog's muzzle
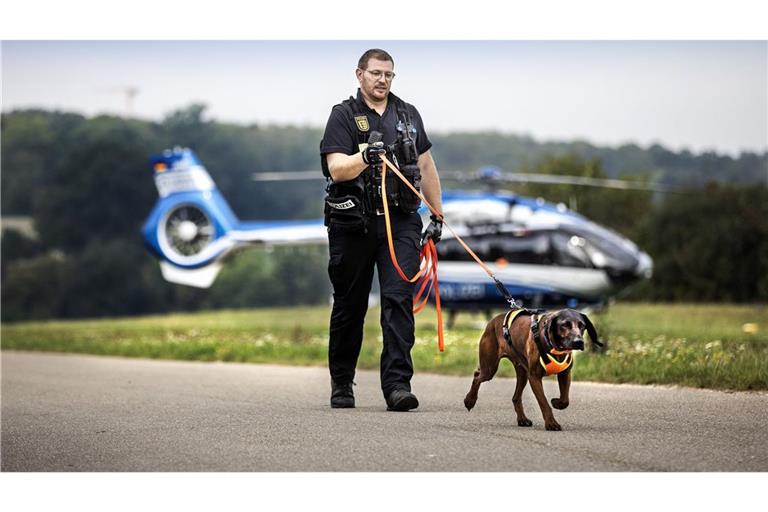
577 344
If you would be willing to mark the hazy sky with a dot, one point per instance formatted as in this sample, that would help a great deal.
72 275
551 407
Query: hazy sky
695 95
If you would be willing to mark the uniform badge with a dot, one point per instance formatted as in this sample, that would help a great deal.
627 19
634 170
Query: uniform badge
362 123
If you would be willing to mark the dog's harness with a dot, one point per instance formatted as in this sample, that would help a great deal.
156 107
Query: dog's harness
510 317
545 347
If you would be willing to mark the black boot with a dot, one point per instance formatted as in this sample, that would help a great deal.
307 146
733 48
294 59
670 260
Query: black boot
401 400
342 396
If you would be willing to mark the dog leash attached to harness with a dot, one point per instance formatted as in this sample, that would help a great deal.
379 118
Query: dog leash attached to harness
428 266
499 285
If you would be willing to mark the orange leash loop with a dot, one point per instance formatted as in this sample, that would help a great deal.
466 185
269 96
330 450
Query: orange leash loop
426 279
428 265
391 244
433 251
428 283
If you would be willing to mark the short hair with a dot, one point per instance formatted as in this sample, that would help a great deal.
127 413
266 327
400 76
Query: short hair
374 53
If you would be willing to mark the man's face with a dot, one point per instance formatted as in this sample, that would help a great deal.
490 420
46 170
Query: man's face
376 87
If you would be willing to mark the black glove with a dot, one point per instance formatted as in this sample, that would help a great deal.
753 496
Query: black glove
434 230
371 154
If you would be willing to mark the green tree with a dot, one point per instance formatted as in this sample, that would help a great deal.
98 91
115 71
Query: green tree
276 277
32 288
101 189
33 144
16 246
710 246
113 277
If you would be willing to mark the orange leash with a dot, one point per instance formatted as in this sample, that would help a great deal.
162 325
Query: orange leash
386 163
392 255
428 267
502 289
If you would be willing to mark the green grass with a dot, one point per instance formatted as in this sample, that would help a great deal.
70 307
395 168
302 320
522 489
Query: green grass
690 345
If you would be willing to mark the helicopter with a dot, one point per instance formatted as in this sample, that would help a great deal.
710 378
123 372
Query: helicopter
545 254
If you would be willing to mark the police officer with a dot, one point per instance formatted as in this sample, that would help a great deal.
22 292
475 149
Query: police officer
359 130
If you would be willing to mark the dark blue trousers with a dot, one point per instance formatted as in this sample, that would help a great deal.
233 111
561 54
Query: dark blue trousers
352 260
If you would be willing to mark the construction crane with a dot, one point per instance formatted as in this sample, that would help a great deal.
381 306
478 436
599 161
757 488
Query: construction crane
128 91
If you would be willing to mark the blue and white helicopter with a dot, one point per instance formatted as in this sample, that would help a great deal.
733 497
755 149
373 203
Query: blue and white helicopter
546 255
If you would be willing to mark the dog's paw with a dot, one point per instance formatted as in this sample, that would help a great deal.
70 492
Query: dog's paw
469 403
555 426
525 422
559 404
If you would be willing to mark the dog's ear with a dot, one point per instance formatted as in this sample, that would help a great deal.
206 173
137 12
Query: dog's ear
591 331
552 325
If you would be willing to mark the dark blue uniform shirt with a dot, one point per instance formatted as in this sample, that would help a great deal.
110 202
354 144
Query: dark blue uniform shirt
342 135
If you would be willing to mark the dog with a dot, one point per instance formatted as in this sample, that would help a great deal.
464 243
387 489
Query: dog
538 345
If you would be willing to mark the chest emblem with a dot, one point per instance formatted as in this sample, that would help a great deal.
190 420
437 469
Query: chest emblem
362 123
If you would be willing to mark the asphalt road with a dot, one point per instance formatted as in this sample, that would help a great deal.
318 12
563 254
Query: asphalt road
88 413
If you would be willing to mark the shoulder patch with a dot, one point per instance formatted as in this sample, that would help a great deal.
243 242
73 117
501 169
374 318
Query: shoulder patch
362 123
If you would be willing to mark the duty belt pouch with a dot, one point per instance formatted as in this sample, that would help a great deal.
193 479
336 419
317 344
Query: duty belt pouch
344 207
408 201
393 189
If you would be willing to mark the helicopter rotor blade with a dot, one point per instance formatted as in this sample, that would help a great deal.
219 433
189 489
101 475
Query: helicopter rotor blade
588 182
287 176
554 179
506 178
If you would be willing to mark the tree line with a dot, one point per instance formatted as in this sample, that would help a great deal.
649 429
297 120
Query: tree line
87 185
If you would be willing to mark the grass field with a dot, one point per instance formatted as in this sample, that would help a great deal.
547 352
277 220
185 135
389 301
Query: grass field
691 345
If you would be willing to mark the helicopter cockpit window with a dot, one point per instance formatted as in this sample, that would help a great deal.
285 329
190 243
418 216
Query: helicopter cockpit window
609 251
532 249
569 250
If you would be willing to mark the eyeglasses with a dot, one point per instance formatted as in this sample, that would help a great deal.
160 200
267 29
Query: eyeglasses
388 75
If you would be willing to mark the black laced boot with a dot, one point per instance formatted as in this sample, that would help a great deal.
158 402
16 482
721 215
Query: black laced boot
342 396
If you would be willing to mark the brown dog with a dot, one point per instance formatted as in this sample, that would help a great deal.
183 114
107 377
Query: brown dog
558 333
